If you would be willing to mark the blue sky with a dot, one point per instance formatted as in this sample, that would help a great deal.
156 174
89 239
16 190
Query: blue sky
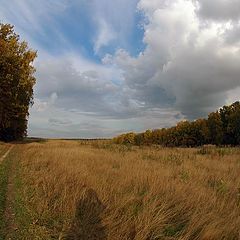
110 66
90 28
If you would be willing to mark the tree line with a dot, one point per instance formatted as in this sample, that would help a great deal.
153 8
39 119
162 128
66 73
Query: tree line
16 84
220 128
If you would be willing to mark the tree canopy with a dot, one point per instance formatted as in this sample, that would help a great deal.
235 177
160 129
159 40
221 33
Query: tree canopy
16 83
220 128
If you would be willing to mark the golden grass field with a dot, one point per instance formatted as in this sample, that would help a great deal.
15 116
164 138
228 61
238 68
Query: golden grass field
3 148
98 190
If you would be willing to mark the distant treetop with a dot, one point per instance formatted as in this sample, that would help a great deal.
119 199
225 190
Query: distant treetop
220 128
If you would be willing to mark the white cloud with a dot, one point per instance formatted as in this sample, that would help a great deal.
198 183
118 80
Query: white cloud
190 65
105 36
185 64
220 10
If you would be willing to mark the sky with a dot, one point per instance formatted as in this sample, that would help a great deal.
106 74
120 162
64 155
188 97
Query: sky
106 67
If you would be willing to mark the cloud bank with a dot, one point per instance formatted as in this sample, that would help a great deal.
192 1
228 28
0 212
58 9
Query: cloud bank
189 65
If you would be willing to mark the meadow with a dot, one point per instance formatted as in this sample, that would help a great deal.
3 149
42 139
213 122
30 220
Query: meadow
101 191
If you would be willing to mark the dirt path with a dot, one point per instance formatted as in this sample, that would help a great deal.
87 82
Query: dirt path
9 208
6 154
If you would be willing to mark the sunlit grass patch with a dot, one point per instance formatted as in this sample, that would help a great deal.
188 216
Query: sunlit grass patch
143 192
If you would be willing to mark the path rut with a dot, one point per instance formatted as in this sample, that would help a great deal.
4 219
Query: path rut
6 154
9 209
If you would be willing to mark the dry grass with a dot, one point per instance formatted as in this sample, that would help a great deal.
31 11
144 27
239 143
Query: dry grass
80 190
3 148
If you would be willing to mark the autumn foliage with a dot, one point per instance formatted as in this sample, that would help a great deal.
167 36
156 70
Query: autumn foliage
220 128
16 84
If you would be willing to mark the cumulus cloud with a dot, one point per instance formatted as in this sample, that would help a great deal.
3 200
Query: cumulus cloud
78 98
220 10
189 67
185 65
55 122
79 85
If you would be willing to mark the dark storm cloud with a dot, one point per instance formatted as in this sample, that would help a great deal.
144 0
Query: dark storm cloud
200 79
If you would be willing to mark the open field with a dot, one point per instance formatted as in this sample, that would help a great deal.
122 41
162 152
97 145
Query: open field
97 190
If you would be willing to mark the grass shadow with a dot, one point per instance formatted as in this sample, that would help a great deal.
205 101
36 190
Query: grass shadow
87 224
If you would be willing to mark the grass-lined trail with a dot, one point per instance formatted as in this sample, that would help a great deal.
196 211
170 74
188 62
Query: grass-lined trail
6 191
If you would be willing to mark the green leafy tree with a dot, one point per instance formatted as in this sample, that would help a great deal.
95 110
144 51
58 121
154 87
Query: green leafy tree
16 83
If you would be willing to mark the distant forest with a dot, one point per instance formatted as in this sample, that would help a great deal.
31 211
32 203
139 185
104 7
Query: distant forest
220 128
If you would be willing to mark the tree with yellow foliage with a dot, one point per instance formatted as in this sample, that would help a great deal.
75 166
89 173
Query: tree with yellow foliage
16 84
